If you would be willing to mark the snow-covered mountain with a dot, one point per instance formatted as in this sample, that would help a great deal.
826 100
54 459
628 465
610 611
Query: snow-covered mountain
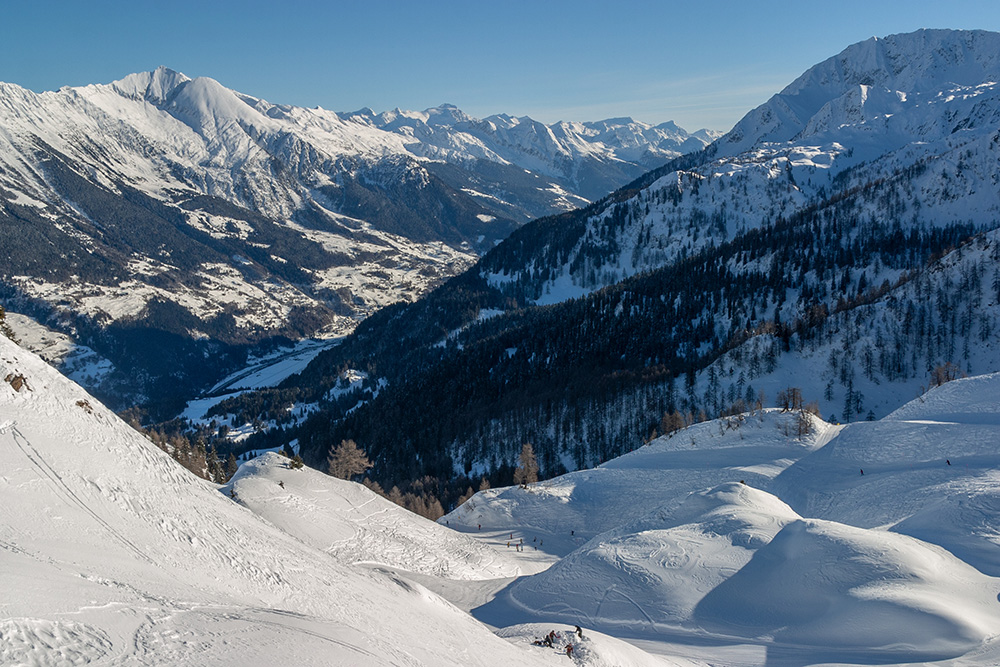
725 280
588 159
914 114
215 218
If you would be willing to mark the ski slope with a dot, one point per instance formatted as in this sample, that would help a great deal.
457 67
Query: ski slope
110 553
113 554
872 543
355 525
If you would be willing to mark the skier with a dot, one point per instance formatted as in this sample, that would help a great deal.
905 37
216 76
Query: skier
579 632
569 650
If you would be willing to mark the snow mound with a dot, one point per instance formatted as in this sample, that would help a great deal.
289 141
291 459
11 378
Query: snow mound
928 453
355 525
108 547
752 448
825 584
974 400
656 570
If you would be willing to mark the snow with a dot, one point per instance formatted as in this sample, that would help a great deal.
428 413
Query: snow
593 648
355 525
111 551
735 534
926 124
731 542
269 370
77 362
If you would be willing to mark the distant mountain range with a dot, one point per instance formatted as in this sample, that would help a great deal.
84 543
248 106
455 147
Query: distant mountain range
189 211
842 238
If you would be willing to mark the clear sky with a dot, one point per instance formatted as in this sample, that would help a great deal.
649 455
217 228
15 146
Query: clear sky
701 64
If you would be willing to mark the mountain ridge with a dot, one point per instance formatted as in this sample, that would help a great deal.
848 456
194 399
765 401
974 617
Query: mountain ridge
176 206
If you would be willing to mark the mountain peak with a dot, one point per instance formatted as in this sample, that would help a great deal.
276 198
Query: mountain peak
155 86
920 62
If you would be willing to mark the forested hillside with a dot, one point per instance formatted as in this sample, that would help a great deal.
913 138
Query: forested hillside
854 260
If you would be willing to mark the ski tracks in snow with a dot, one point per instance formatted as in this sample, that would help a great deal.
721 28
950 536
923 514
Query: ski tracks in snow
69 496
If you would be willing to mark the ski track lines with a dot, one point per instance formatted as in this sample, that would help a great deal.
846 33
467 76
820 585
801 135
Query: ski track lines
36 459
221 635
44 643
355 526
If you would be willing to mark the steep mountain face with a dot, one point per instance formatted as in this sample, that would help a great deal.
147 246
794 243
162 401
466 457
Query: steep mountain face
169 207
857 275
868 83
921 110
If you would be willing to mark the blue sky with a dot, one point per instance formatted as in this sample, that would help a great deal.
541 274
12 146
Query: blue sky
701 64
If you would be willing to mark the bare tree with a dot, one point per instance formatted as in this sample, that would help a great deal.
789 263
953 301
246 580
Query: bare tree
945 373
347 460
527 472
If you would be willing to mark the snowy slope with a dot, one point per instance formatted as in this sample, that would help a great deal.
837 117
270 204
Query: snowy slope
753 449
658 568
809 557
112 552
354 525
935 457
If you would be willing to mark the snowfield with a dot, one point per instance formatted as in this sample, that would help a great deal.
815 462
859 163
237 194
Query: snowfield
871 543
355 525
112 553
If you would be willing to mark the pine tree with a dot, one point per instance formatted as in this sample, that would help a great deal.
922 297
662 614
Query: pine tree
231 466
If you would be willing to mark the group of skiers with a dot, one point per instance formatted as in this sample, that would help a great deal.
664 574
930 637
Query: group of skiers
519 545
554 638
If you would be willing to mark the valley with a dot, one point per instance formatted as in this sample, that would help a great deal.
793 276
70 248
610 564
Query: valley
283 385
